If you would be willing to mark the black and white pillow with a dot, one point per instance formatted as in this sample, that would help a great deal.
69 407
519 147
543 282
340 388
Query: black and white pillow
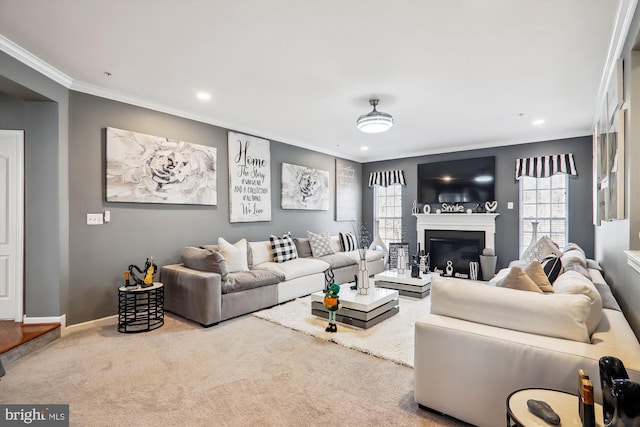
283 248
552 267
347 242
320 244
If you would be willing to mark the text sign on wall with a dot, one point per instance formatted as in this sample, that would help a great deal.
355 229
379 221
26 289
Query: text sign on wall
249 178
346 191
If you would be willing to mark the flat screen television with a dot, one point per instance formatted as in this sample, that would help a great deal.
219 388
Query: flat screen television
457 181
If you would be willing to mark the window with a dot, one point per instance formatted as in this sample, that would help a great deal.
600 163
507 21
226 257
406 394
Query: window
544 200
388 211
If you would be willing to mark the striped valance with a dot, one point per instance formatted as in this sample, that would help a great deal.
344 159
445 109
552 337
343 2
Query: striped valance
545 166
386 178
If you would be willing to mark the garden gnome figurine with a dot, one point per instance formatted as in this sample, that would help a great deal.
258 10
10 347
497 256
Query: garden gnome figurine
332 302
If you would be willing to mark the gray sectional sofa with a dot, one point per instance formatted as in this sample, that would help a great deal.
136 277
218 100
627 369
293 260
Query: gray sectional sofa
200 289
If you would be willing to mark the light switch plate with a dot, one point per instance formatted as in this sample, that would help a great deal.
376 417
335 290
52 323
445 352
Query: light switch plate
509 205
94 219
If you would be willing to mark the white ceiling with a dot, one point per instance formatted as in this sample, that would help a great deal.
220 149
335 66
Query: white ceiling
455 74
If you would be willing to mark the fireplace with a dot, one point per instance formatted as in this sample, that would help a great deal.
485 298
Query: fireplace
458 248
456 237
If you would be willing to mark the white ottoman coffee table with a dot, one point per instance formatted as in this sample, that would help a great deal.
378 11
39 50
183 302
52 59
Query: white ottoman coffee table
363 311
404 283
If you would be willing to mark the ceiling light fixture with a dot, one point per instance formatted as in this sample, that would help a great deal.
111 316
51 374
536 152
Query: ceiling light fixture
374 121
538 122
203 96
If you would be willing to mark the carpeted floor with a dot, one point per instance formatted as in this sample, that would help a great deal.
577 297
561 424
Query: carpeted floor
243 372
391 339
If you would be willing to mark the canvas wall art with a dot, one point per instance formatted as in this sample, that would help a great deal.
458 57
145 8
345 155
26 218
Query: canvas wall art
152 169
346 191
304 188
249 178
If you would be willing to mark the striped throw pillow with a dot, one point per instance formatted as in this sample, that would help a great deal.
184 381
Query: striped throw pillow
552 267
347 242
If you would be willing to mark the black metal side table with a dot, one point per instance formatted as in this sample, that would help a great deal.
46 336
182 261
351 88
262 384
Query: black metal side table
140 309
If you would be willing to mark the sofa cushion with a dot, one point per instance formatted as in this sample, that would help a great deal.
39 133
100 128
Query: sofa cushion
283 248
303 247
335 243
295 268
260 252
542 248
608 300
518 279
205 260
347 242
538 275
571 282
243 280
552 267
575 260
572 246
560 316
338 260
320 244
235 254
575 255
370 256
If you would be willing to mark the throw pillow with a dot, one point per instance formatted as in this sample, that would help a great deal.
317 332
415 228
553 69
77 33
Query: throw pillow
518 279
571 282
205 260
283 248
539 277
347 242
303 247
542 248
235 254
552 267
320 244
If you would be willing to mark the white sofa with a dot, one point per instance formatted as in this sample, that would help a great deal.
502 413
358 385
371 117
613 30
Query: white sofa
479 343
199 289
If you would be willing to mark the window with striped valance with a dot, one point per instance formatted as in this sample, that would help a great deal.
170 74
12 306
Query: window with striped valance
545 166
387 178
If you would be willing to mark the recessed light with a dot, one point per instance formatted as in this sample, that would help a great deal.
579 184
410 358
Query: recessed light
538 122
204 96
364 148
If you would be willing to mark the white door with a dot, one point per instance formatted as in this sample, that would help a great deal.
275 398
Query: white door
11 223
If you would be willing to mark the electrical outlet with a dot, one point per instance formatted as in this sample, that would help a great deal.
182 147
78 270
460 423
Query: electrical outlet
509 205
107 216
94 219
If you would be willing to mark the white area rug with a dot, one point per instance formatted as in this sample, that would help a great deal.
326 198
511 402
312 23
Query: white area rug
391 339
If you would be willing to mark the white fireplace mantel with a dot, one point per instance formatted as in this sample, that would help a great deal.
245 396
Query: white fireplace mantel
459 222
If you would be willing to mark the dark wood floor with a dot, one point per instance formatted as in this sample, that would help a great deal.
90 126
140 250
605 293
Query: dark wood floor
13 334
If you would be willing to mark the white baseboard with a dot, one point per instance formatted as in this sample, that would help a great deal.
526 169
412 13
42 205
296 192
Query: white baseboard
49 319
105 321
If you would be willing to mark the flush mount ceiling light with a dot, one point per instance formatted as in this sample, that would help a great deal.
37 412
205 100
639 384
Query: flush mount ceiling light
375 121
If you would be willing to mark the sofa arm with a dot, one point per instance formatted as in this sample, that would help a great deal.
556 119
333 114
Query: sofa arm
196 295
467 370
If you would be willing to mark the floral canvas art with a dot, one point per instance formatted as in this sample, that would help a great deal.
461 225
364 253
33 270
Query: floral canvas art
151 169
304 188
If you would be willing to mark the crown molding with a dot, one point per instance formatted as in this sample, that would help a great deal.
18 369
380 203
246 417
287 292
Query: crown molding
623 20
32 61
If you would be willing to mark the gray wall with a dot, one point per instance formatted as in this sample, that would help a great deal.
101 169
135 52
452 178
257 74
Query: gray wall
46 218
614 237
99 254
580 193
